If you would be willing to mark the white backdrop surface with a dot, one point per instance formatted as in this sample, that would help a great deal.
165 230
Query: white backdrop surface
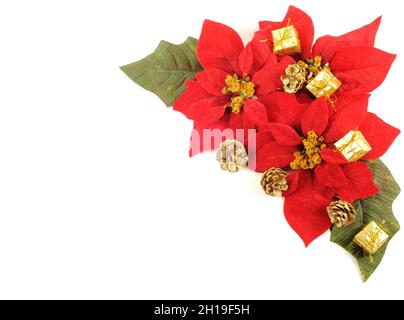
98 198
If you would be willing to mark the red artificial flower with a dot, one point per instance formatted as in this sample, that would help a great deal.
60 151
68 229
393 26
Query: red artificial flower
352 57
321 174
227 94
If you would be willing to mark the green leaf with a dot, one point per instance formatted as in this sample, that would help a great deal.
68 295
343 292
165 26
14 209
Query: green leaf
376 208
166 70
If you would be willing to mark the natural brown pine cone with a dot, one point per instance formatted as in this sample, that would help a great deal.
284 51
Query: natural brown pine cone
294 78
232 155
274 182
341 213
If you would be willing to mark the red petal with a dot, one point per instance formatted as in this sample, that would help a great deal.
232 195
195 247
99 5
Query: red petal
331 176
332 156
239 123
246 59
200 143
212 80
304 26
254 56
192 94
274 155
327 46
379 134
268 79
219 47
208 110
284 134
360 182
305 209
348 118
361 69
293 182
315 117
284 108
256 113
273 25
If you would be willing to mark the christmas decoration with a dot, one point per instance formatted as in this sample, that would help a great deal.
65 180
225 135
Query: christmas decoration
341 213
353 146
371 238
294 77
286 41
304 107
232 155
324 84
274 182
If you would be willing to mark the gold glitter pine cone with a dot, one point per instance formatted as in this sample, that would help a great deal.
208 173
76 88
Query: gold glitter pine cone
274 182
294 78
341 213
232 155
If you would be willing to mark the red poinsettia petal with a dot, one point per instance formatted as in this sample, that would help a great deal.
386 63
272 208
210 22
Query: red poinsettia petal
284 134
212 80
262 55
219 47
293 182
263 138
315 118
361 69
246 59
256 113
333 156
379 134
254 56
208 110
347 118
207 137
304 26
274 155
284 108
331 176
327 46
192 94
305 209
273 25
360 182
240 124
268 79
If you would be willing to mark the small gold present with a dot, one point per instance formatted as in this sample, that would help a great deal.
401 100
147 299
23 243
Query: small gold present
371 238
286 41
353 146
324 84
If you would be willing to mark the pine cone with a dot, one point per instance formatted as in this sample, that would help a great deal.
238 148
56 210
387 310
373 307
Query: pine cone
274 182
294 78
232 155
341 213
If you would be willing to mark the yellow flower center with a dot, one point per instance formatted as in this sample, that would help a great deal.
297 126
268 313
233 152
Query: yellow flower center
308 158
240 90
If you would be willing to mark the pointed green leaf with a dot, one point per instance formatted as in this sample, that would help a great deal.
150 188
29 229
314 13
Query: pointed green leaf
376 208
166 70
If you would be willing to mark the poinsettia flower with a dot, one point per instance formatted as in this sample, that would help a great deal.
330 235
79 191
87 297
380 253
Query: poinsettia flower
352 57
227 93
302 141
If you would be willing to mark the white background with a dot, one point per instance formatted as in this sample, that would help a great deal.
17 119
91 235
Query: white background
98 198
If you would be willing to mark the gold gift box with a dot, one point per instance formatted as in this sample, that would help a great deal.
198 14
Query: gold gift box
353 146
286 41
371 238
324 84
